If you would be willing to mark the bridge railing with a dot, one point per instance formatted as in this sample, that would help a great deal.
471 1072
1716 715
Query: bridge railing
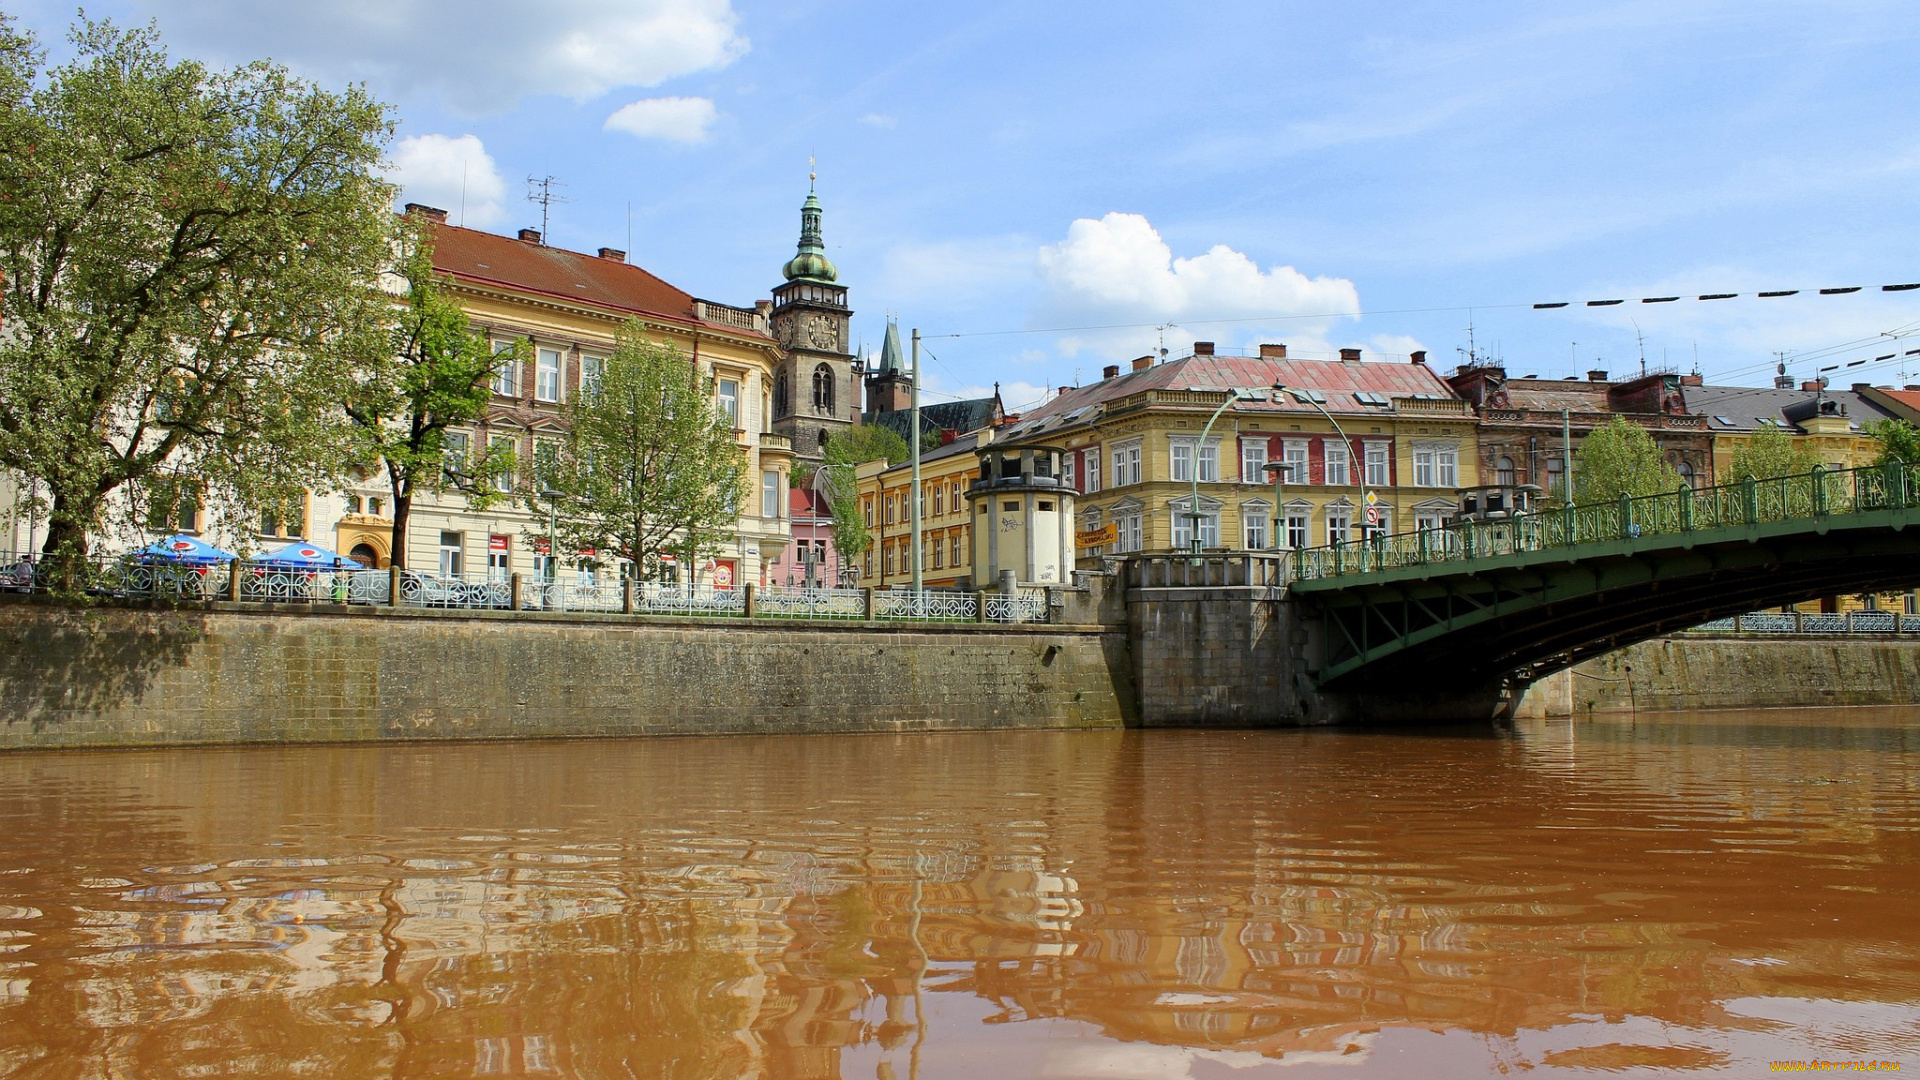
1819 493
1795 622
1207 570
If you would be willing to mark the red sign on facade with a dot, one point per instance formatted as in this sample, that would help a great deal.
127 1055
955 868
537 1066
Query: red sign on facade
497 543
723 574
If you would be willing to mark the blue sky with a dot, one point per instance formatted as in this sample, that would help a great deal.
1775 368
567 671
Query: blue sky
1245 172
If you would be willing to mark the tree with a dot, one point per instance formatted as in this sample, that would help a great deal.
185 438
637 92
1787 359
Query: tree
190 263
1772 451
435 377
650 465
1899 441
1620 459
856 447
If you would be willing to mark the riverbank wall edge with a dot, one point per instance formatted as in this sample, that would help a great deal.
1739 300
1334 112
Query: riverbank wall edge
228 674
1746 671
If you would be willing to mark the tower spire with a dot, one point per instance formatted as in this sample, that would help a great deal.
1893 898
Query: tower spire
810 262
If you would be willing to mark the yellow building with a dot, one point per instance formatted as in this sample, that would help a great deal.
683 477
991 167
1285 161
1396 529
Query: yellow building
946 531
1831 423
1135 450
569 306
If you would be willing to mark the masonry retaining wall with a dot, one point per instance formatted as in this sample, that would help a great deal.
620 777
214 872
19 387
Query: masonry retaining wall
1700 671
238 673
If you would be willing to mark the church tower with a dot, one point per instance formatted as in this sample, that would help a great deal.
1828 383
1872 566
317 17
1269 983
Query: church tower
815 397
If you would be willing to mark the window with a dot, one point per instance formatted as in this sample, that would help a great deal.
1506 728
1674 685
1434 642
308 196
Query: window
454 448
1503 470
866 508
1187 451
783 396
770 493
823 390
450 554
499 558
955 542
506 377
1090 468
1429 521
1447 462
867 570
890 510
1066 470
1126 464
593 370
1556 474
729 390
893 555
939 499
179 511
546 375
503 479
1253 461
1436 465
938 550
1126 526
377 506
1253 526
1377 464
546 465
1685 470
1293 454
1297 526
1339 524
1183 522
1336 475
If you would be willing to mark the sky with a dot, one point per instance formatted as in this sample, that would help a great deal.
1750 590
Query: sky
1044 189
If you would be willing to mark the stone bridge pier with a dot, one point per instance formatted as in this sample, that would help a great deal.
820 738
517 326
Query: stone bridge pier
1216 643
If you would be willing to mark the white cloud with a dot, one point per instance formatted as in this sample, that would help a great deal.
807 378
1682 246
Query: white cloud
454 173
878 120
1396 346
1118 270
675 119
479 55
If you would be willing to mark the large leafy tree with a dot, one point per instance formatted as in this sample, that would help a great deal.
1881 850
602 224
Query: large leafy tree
650 465
855 447
1898 439
190 260
1770 452
433 381
1617 459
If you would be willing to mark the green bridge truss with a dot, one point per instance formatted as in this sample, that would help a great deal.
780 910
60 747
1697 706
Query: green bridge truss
1520 597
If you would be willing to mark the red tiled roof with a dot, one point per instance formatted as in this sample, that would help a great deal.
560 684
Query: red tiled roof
1337 380
487 258
1909 398
806 502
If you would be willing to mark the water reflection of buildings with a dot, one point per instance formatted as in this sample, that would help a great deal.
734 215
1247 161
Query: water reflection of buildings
1292 926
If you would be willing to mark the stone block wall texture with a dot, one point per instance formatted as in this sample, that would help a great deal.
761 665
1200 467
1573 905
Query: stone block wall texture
1735 672
228 675
1203 659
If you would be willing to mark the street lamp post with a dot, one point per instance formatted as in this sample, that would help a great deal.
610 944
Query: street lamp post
1235 395
1278 469
553 538
1353 460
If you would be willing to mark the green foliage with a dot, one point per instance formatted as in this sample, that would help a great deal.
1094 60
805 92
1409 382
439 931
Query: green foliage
1772 451
435 377
1620 459
867 442
190 259
1899 441
650 465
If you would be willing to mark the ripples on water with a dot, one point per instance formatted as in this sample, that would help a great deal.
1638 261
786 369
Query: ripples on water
1588 898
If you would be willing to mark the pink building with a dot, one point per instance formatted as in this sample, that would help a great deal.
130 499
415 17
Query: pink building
811 558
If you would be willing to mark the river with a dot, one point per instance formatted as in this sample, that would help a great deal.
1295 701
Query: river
1668 892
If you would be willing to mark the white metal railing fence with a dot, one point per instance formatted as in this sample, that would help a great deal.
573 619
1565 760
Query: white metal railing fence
1827 622
927 605
780 602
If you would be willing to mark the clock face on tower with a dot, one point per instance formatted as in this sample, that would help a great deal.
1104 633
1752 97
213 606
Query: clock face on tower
821 332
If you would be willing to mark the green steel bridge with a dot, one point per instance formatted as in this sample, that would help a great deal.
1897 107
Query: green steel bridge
1508 600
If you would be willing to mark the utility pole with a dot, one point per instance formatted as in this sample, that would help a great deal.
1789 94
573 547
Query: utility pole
913 507
1566 451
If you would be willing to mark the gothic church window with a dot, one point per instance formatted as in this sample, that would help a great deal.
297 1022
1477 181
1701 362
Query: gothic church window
823 390
782 395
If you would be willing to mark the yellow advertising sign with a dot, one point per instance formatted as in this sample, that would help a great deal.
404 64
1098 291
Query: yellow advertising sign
1105 534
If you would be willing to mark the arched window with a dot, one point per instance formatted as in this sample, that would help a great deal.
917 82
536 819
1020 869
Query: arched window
823 390
1686 473
782 395
1503 470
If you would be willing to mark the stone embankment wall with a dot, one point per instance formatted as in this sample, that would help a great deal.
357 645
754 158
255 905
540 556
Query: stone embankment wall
236 673
1699 671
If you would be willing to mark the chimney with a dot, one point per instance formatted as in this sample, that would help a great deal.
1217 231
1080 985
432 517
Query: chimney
531 236
1783 382
431 213
1693 380
613 255
1062 392
1349 356
1911 386
1810 384
1273 352
1597 375
764 307
1142 363
1111 371
1420 357
1203 348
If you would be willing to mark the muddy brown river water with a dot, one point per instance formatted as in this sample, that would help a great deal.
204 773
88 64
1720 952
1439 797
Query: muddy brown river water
1609 897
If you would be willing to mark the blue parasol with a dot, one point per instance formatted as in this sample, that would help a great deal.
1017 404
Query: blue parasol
182 550
301 555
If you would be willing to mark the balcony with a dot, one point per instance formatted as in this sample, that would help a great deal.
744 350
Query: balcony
734 318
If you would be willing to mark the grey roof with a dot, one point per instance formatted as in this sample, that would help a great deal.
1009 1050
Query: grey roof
956 416
1747 408
890 349
964 443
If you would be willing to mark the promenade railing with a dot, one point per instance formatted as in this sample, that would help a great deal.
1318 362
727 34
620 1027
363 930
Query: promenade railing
1820 493
123 579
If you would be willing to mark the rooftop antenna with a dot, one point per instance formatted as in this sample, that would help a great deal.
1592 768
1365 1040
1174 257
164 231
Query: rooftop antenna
1573 358
1163 328
1642 339
540 190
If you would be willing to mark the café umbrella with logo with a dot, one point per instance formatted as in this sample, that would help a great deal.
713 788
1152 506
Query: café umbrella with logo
182 550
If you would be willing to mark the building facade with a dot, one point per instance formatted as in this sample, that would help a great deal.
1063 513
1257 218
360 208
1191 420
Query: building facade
946 547
1392 438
